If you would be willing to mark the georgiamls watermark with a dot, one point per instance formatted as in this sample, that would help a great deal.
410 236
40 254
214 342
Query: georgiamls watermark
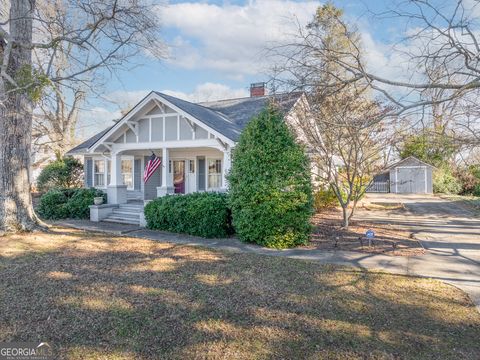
26 351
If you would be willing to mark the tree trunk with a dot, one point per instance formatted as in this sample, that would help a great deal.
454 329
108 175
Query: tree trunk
16 210
345 217
354 207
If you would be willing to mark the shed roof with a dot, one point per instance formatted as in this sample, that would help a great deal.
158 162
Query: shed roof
409 161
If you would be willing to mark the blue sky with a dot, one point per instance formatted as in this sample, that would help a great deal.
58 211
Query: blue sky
216 47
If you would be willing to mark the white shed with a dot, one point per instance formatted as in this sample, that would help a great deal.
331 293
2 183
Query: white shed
407 176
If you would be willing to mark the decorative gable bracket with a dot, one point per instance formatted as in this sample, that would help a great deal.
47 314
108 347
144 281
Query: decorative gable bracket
191 124
133 126
222 144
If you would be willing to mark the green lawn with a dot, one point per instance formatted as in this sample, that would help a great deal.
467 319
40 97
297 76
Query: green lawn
122 298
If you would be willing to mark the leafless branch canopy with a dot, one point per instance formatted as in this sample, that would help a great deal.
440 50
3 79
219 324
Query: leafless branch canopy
95 34
437 61
77 47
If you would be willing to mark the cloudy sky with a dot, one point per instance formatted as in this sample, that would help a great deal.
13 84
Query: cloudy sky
216 50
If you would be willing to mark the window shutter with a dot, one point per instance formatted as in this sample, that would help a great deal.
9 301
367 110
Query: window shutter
88 171
137 172
201 174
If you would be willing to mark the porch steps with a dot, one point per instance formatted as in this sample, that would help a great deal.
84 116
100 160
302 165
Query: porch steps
128 213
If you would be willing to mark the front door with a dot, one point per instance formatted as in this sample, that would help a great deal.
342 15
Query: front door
179 176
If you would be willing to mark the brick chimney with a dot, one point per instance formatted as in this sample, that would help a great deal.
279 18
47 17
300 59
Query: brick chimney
257 89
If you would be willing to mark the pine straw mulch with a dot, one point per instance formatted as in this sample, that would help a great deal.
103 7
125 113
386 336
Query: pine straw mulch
328 234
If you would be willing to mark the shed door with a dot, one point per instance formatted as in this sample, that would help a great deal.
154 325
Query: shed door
411 180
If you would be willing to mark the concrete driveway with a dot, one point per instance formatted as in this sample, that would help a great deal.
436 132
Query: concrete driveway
447 229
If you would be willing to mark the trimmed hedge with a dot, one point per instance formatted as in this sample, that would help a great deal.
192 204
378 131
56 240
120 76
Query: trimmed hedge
270 185
202 214
67 203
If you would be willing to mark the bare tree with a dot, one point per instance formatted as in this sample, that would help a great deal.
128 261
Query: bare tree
55 124
56 115
439 52
103 34
346 141
342 125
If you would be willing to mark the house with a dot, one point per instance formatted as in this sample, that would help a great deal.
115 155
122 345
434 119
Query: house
407 176
193 140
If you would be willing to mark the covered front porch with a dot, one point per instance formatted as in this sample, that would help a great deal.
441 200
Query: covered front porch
181 171
195 155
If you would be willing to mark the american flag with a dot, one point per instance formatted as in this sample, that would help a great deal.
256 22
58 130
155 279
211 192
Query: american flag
152 165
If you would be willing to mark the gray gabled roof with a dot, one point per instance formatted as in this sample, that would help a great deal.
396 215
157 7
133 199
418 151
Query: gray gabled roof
241 111
209 117
88 143
228 117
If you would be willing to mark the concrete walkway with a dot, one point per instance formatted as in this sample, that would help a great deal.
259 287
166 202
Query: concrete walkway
447 229
452 266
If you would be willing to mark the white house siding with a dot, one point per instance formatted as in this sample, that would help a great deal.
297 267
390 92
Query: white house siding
144 130
200 133
151 128
130 137
185 130
157 129
200 157
195 181
171 128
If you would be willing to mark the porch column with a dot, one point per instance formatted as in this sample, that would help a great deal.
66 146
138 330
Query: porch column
227 164
165 164
167 187
116 191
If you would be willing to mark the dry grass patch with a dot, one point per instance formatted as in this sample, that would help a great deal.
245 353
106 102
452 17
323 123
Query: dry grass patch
101 297
470 202
389 240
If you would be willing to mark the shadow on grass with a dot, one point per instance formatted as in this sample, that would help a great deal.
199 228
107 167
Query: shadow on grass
120 297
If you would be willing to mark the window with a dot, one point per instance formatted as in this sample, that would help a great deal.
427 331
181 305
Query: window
214 173
191 168
99 173
127 173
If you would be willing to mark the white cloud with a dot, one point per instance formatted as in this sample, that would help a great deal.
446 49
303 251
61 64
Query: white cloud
232 38
93 120
203 92
209 92
97 118
126 99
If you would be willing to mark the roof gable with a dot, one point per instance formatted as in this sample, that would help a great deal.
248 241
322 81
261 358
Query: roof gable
409 161
226 117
